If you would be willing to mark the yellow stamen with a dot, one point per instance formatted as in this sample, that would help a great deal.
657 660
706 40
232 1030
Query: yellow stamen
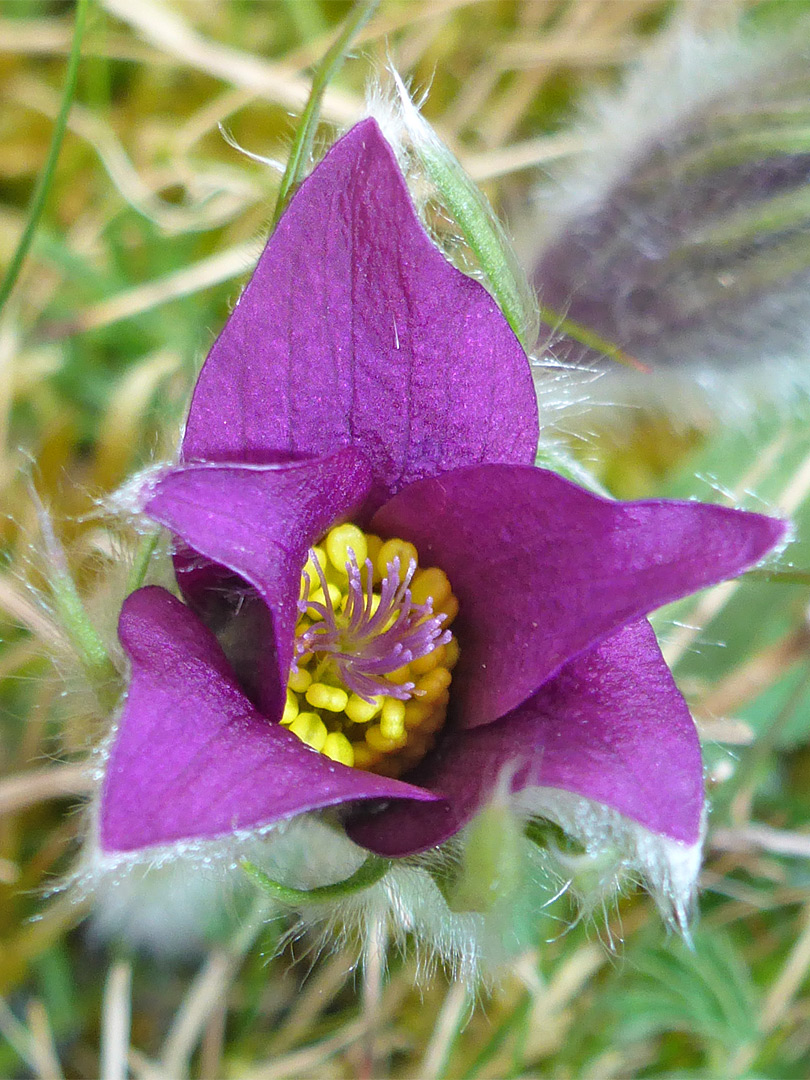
431 584
310 729
387 735
401 675
431 686
365 757
392 718
342 540
374 543
416 712
363 712
423 664
290 709
299 680
335 595
331 698
392 549
338 748
451 654
448 608
377 741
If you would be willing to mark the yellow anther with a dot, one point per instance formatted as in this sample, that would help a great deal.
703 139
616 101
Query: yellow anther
392 719
343 539
451 654
299 680
310 729
374 543
390 550
423 664
428 584
290 709
433 685
401 675
417 712
364 756
331 698
335 595
377 741
338 748
363 712
449 608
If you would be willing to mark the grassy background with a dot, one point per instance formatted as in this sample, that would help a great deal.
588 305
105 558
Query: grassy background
149 228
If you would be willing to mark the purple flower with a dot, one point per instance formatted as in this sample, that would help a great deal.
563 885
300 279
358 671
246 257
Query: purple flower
362 379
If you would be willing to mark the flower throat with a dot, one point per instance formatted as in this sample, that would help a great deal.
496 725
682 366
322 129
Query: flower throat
369 683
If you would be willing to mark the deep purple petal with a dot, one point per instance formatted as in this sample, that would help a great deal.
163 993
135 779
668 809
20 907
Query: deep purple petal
258 522
611 726
543 569
192 757
354 329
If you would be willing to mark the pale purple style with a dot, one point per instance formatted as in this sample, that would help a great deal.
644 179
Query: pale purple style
362 377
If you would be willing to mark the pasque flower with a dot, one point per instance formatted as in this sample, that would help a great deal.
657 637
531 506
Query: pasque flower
389 610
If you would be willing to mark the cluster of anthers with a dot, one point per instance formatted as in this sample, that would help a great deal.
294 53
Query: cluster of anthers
369 683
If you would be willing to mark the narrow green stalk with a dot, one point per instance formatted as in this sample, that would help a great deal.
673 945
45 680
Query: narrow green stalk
484 235
73 618
43 184
322 76
745 147
780 577
83 635
143 555
740 789
368 874
756 273
589 338
788 211
478 227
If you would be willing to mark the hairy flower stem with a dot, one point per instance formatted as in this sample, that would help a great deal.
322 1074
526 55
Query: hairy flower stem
143 556
326 70
72 616
368 874
483 233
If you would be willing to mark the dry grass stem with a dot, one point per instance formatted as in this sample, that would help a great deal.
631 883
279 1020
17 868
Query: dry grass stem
754 838
492 164
208 990
314 997
305 1062
43 1052
52 782
115 1022
169 31
224 266
451 1016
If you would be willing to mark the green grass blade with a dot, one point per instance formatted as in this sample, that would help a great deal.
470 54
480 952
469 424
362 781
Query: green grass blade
43 184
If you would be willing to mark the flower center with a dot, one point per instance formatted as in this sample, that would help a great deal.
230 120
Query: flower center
369 683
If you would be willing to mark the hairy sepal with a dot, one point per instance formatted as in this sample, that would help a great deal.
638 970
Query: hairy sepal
616 852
